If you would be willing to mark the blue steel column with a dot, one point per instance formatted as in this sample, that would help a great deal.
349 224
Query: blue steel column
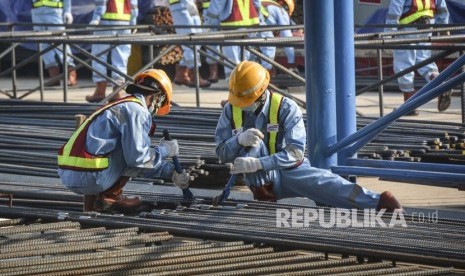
321 83
345 73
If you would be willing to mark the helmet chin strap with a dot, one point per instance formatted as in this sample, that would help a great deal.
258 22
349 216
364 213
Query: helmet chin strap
156 103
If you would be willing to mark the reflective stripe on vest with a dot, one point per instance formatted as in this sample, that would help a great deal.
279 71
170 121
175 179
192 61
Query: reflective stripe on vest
119 10
47 3
243 13
264 6
205 4
273 117
73 154
418 9
174 2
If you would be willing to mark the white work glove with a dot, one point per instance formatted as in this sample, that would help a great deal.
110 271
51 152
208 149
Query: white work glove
246 165
94 22
181 179
250 137
68 18
168 148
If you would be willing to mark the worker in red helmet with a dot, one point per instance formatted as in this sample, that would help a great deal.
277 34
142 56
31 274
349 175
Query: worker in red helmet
263 134
114 144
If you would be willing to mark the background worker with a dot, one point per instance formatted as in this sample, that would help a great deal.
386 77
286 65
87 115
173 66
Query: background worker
111 12
54 12
184 12
278 13
263 134
212 64
228 13
114 144
412 14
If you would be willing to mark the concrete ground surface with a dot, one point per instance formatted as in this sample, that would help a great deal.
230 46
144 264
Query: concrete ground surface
413 195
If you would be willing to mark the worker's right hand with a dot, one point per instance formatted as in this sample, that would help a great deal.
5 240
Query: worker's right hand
181 179
168 148
250 137
68 18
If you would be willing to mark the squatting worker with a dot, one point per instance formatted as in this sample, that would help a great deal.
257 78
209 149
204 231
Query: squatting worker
263 134
114 144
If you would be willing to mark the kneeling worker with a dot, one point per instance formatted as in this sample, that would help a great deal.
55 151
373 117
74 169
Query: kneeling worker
113 144
263 135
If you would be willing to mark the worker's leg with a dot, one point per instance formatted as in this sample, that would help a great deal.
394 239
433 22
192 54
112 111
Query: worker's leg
324 187
98 48
269 51
402 60
232 53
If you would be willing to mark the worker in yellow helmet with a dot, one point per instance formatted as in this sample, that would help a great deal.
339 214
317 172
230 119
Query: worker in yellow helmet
114 144
263 134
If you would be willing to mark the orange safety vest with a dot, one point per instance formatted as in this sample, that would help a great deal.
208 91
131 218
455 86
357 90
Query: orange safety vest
419 8
118 10
48 3
73 155
243 13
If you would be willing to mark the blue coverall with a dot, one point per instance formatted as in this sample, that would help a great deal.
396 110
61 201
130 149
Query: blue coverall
220 10
405 58
279 16
120 54
122 131
49 15
282 168
185 12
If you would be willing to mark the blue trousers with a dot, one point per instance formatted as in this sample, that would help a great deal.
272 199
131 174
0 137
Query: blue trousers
319 185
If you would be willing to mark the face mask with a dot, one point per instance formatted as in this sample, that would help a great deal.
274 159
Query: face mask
251 108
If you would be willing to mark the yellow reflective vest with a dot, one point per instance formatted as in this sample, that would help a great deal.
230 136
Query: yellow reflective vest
118 10
47 3
419 8
243 13
273 120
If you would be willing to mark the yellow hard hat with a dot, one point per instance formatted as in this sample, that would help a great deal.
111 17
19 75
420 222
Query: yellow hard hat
290 6
247 83
153 81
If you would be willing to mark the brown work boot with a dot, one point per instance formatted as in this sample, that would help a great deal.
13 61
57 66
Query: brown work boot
444 99
113 200
202 83
72 76
53 72
408 95
99 93
213 74
118 96
89 201
264 192
181 76
388 201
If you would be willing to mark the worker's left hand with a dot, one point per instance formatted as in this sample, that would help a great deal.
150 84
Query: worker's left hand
68 18
181 179
246 165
